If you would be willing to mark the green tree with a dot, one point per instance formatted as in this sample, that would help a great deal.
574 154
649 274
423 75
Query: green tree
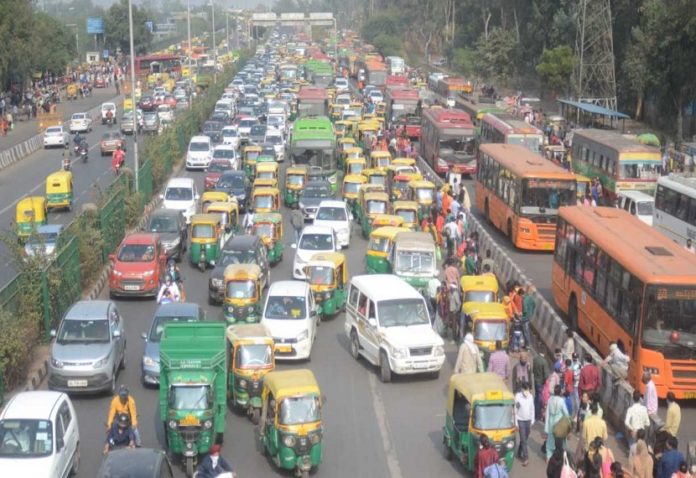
555 67
116 29
463 60
496 56
389 45
54 44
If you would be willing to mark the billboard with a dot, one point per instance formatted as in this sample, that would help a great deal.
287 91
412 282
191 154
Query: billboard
95 26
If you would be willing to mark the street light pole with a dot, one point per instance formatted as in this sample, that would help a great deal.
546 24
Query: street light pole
212 4
132 75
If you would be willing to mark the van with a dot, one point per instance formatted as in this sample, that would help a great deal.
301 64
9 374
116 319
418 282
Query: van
225 105
291 316
387 322
638 204
181 195
200 152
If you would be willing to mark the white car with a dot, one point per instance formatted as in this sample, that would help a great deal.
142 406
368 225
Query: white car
275 137
230 136
165 113
277 122
105 107
337 216
39 435
314 239
341 84
181 195
200 152
80 122
376 96
245 124
55 136
228 153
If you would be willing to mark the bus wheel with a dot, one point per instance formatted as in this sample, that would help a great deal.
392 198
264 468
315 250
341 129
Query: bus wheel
573 313
509 231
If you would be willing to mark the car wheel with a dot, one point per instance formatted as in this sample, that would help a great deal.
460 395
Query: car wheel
75 468
122 365
354 345
385 373
112 386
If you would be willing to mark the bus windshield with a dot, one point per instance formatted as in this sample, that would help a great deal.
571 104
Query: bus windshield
530 141
322 157
669 321
455 147
540 196
631 169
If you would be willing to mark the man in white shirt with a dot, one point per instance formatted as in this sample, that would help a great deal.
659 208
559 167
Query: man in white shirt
636 418
524 415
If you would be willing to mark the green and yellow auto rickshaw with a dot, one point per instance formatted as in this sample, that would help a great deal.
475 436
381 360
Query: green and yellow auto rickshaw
408 210
482 288
59 190
378 249
249 156
414 259
479 404
335 112
398 178
242 300
209 197
380 159
327 274
265 199
267 170
30 213
488 323
351 189
375 176
295 179
269 227
264 183
251 359
423 192
206 231
229 217
371 205
290 429
354 165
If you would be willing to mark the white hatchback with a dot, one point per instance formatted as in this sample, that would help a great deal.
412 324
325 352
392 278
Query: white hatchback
55 136
314 239
200 152
336 215
39 436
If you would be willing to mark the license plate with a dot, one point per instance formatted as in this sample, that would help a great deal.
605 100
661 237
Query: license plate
77 383
420 365
689 395
284 348
131 287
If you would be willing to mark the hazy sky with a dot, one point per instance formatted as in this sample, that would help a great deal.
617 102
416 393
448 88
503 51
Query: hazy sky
222 3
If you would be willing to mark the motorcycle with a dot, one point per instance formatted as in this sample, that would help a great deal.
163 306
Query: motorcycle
66 164
516 335
174 273
84 151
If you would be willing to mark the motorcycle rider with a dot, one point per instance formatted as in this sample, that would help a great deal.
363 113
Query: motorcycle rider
77 139
175 273
120 434
124 403
117 159
213 465
109 117
169 287
66 158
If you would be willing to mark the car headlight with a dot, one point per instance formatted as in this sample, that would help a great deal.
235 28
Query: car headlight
243 383
399 352
56 363
250 308
332 179
438 350
150 362
303 335
315 438
301 205
216 282
101 362
116 273
208 424
289 441
172 424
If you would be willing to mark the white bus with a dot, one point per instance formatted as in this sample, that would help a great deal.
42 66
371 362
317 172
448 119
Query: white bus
675 207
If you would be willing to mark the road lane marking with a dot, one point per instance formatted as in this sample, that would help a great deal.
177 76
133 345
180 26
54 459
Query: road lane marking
384 430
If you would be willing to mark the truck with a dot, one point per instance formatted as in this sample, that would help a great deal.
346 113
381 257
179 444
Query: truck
193 388
397 65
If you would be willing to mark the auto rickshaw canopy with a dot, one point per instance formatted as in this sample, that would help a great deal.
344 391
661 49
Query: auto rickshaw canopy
290 383
31 209
477 387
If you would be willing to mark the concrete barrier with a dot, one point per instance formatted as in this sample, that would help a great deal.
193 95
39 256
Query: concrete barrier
616 395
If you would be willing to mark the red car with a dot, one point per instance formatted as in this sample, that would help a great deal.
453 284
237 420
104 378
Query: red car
215 169
99 82
170 100
139 265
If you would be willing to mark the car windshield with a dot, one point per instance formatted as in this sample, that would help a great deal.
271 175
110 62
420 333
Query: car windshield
247 123
211 127
415 262
497 416
241 289
83 331
645 208
43 238
316 242
285 307
136 253
317 192
223 154
402 313
237 257
321 275
163 224
235 181
199 146
298 410
178 194
219 166
490 330
229 133
203 231
189 397
479 296
254 356
258 130
328 213
25 438
79 116
274 139
158 327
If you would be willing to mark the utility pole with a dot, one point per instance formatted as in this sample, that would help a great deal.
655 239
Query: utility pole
135 115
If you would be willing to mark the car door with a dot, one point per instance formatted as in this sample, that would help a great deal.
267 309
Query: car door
367 333
119 343
68 425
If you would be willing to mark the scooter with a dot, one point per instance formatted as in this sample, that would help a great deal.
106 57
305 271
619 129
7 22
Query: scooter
516 335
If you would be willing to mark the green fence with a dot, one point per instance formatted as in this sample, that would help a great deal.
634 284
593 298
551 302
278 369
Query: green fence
112 222
145 184
68 289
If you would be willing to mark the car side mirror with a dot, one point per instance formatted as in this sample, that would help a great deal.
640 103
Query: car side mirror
372 321
112 257
196 196
117 334
53 333
144 336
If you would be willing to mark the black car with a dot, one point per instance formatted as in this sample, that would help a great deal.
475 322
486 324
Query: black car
244 249
170 224
257 134
213 130
222 117
235 183
150 122
136 463
313 193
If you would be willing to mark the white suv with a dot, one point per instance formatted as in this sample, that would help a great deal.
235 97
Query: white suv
335 214
314 239
105 107
39 435
181 195
80 122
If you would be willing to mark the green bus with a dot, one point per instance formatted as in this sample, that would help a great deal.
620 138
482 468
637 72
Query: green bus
313 142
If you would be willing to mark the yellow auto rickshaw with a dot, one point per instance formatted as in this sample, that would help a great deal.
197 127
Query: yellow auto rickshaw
251 359
366 130
267 170
335 111
488 322
269 227
209 197
30 213
295 179
382 220
72 90
59 190
229 217
290 427
408 211
327 274
404 161
378 249
242 293
206 233
345 129
345 142
354 165
423 192
477 404
264 183
371 205
352 152
380 109
249 156
265 200
375 176
380 159
398 178
483 288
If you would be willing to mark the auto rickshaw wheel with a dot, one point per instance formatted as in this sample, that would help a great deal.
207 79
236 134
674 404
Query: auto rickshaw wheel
255 415
447 450
189 466
305 474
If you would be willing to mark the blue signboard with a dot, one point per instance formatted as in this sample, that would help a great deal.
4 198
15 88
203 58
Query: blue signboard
105 54
150 26
95 26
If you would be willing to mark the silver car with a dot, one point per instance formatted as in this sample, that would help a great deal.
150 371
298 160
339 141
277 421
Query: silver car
89 348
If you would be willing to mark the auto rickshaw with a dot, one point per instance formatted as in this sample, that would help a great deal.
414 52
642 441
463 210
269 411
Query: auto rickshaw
375 176
267 170
251 359
327 274
380 159
290 428
344 129
351 152
335 112
30 213
408 211
366 130
423 192
380 109
404 161
265 199
414 259
242 301
249 156
209 197
351 187
488 322
59 190
71 91
382 220
398 178
378 249
229 217
295 179
264 183
269 227
371 205
483 288
206 231
354 165
477 404
345 142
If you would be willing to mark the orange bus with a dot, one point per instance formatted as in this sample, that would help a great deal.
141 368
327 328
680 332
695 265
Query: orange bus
507 129
520 193
618 279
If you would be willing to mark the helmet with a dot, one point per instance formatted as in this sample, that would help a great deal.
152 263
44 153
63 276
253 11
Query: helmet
123 392
168 279
123 420
170 263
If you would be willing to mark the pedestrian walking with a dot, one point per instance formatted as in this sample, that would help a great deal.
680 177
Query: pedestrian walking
636 418
593 427
569 345
557 424
469 357
297 221
485 456
673 419
640 462
590 376
522 373
524 416
541 371
499 361
671 459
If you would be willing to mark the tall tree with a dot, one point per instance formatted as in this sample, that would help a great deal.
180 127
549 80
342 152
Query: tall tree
116 28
